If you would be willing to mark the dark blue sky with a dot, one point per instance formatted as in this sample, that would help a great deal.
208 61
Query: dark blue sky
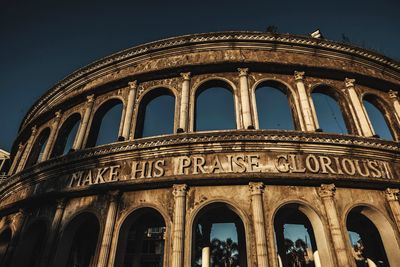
43 41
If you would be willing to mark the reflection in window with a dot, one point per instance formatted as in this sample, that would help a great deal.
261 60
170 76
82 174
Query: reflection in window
214 107
38 148
156 114
367 247
329 114
295 239
377 120
66 136
219 238
105 124
273 108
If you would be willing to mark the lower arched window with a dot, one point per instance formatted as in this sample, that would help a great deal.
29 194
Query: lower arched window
78 242
141 240
218 237
38 147
66 136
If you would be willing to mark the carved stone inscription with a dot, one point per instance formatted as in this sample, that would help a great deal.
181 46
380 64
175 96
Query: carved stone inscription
215 164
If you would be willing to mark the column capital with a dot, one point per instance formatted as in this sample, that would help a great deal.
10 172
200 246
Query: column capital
349 82
256 188
299 75
61 203
34 130
133 84
113 196
327 190
20 146
186 75
392 194
243 71
179 190
90 98
393 94
58 114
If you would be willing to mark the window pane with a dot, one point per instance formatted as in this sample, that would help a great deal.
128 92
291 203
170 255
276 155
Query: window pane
378 121
108 132
329 115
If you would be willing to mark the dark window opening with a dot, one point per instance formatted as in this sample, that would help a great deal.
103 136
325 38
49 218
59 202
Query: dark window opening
66 136
38 148
377 118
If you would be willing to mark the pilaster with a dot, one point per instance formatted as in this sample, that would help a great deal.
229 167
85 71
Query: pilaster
394 96
307 115
179 192
53 132
184 105
129 110
28 149
392 197
245 99
84 124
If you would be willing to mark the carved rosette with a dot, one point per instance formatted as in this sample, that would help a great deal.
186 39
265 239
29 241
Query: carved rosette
179 190
185 75
243 71
133 84
327 190
299 75
392 194
256 188
349 82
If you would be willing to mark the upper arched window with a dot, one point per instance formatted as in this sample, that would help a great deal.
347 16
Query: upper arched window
37 150
66 136
377 117
156 113
105 124
273 106
329 112
214 109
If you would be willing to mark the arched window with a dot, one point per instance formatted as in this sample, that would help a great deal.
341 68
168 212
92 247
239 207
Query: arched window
273 107
105 124
5 238
367 246
295 238
37 150
156 113
66 136
218 237
78 242
31 246
214 109
377 118
329 112
141 240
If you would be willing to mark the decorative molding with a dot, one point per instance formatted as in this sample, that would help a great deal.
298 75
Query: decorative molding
243 71
90 98
133 84
186 75
299 75
392 194
327 190
179 190
349 82
256 188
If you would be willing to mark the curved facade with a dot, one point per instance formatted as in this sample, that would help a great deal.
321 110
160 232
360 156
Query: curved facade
139 158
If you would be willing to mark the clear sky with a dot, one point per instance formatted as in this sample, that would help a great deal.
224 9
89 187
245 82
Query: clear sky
43 41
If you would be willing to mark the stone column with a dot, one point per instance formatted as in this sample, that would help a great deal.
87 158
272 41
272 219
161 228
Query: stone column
129 110
53 233
394 95
113 199
361 118
184 107
245 99
83 127
17 229
308 116
392 197
50 141
16 159
257 190
27 151
179 192
327 193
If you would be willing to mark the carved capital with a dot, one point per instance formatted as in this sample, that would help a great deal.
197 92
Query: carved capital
243 71
185 75
349 82
90 98
392 194
34 130
256 188
61 203
179 190
20 147
133 84
299 75
327 190
393 94
113 196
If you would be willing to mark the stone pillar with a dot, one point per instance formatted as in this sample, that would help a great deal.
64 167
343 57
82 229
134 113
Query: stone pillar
392 197
205 257
257 190
50 141
113 199
129 110
53 233
184 107
27 151
16 159
84 124
306 108
327 193
245 99
394 95
179 192
361 119
17 229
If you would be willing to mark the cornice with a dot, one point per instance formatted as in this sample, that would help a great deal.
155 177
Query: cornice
211 38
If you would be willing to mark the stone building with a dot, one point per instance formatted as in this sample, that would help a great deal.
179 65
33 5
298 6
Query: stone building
4 164
266 136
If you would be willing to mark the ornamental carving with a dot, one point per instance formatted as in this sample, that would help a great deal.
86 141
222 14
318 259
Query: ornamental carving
327 190
392 194
256 188
179 190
